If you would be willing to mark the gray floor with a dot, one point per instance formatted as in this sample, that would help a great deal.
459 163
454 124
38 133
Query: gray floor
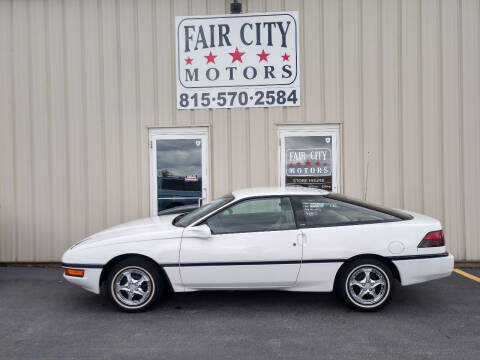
42 317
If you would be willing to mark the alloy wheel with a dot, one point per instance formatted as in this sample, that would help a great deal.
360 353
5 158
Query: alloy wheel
133 286
367 285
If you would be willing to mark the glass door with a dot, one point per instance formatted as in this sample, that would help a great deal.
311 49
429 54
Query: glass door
309 156
179 173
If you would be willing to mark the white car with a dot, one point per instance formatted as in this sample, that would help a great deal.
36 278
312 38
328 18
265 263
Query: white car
294 239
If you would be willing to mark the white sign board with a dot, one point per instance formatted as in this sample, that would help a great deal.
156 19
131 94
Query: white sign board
246 60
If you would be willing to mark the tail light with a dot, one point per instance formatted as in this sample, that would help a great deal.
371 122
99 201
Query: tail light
433 239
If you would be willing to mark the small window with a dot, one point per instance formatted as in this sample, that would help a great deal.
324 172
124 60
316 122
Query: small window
319 211
260 214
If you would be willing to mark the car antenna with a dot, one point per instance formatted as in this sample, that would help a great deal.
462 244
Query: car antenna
366 177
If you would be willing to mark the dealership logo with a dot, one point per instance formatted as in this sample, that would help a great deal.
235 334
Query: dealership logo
244 50
237 61
309 162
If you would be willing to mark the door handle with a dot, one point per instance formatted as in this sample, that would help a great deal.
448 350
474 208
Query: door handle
299 239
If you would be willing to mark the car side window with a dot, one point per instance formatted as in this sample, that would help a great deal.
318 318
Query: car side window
318 211
252 215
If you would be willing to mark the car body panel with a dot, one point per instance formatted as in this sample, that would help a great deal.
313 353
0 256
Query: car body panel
415 271
318 276
334 245
273 249
305 259
155 238
344 242
273 191
90 281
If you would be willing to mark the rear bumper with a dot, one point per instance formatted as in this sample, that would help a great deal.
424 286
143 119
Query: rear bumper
414 271
90 280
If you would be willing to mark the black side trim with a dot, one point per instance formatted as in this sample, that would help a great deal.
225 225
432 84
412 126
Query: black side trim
308 261
236 263
84 266
414 257
321 261
279 262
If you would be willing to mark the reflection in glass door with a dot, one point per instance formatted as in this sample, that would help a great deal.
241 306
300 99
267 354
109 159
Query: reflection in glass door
309 156
178 167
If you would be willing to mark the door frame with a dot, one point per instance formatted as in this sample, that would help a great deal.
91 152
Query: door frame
171 133
332 130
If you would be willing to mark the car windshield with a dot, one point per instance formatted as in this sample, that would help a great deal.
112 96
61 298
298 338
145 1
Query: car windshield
185 220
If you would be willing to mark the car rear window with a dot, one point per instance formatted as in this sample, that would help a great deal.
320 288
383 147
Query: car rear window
396 213
334 210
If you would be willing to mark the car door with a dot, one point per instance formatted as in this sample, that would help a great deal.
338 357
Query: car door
253 245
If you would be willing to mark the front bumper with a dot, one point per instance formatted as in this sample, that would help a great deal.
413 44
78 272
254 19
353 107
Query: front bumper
414 271
90 280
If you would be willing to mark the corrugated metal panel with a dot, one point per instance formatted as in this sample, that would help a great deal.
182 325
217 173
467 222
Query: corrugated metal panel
82 81
470 105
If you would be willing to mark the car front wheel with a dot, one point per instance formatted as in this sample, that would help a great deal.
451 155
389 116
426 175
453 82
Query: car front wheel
365 284
134 284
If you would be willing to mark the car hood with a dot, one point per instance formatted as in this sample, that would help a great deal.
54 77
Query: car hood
153 228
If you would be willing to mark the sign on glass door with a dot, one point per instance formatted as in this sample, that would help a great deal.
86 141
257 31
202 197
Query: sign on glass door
309 156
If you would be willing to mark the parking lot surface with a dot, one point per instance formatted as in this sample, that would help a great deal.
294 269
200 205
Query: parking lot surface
43 317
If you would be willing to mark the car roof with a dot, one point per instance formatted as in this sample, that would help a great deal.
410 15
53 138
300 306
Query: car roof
271 191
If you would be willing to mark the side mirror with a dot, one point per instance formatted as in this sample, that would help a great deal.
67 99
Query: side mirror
200 231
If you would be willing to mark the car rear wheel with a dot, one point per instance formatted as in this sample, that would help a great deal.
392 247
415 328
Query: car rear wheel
134 284
365 284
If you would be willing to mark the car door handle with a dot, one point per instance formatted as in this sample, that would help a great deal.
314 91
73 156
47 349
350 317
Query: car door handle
299 239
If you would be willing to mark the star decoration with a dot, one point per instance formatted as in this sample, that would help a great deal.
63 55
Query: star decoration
286 57
263 56
210 58
317 163
188 61
237 55
307 163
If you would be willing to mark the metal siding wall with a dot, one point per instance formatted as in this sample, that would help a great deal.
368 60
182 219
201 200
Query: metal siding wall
470 58
82 81
413 171
452 128
8 179
353 157
390 103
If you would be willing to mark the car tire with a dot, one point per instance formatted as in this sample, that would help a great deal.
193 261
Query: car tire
365 284
134 284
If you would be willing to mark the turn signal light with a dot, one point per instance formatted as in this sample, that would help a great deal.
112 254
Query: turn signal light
74 272
432 239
